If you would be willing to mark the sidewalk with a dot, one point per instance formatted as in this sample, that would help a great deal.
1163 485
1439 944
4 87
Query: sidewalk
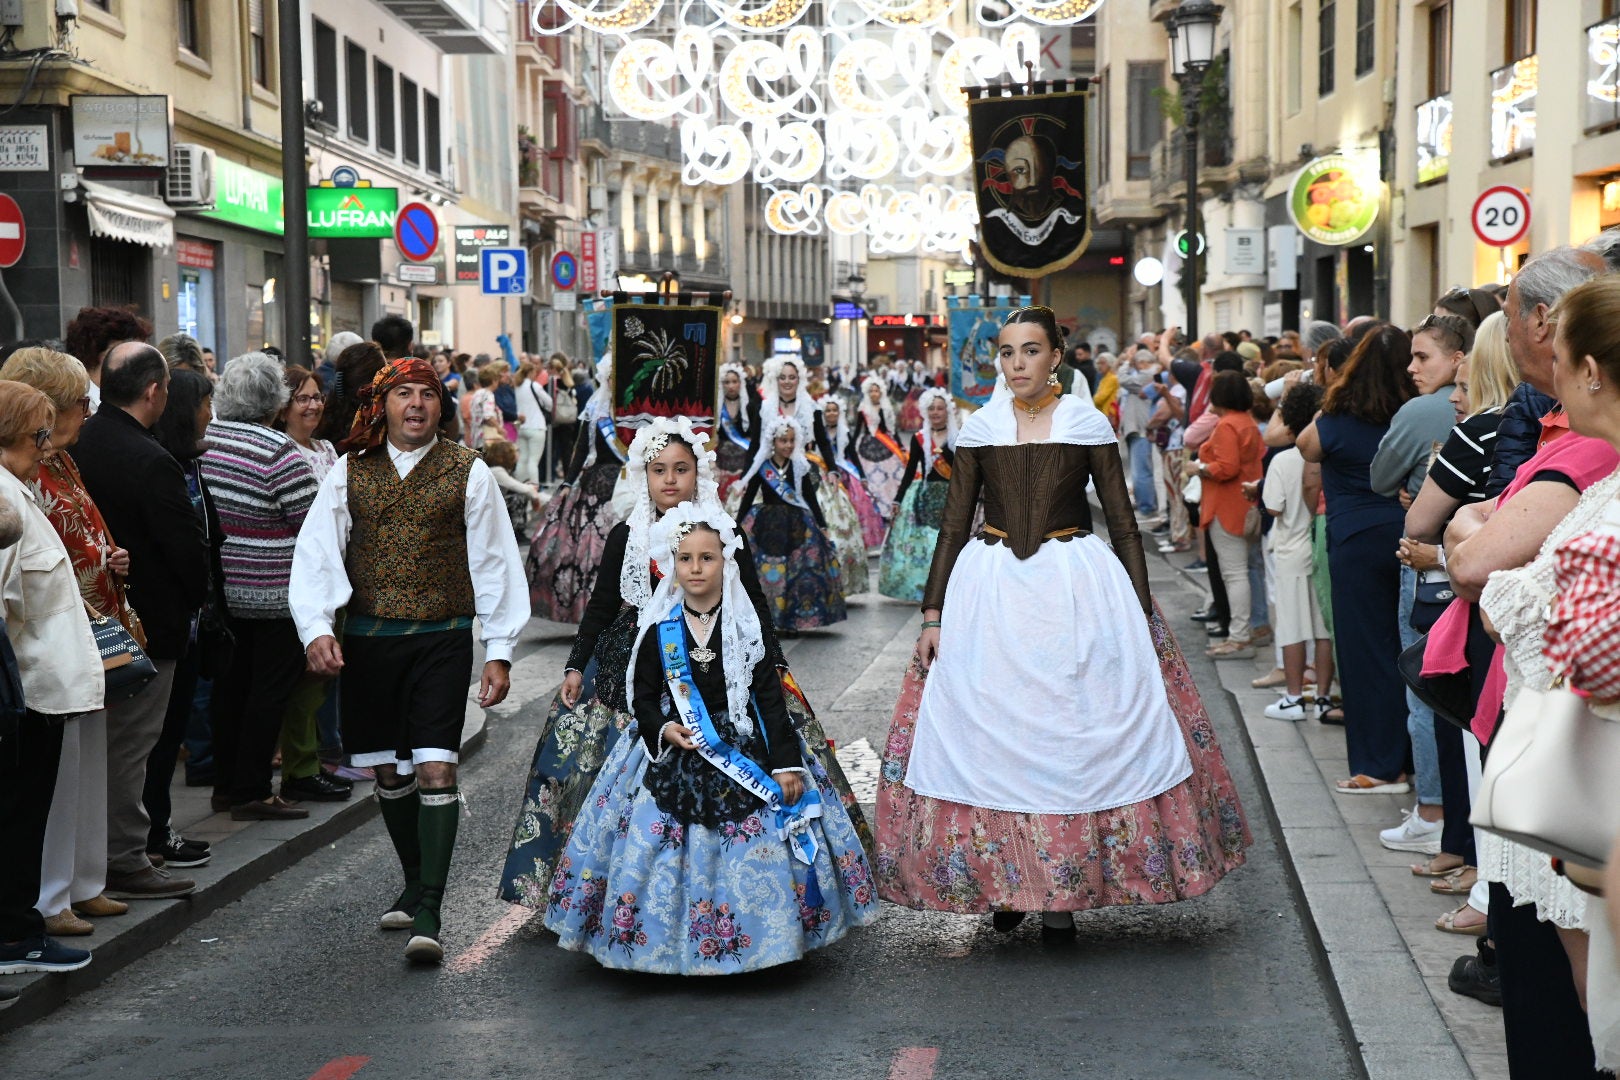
1375 919
245 854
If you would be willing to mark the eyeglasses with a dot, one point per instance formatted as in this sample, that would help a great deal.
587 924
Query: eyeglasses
41 438
84 403
305 400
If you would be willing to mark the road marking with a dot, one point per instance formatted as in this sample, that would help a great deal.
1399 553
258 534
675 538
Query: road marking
341 1068
913 1063
861 766
489 941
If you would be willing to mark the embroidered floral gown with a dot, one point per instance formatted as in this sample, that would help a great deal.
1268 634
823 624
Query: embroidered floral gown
797 561
881 463
672 867
732 458
565 553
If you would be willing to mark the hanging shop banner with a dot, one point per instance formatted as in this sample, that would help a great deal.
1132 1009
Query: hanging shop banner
1029 172
665 363
1334 199
120 130
975 321
599 323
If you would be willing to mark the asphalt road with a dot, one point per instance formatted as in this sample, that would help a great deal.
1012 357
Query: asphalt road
295 982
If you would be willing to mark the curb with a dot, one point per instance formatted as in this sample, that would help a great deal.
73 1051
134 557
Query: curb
256 854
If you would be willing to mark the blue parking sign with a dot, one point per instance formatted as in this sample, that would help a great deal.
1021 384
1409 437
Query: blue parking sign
503 271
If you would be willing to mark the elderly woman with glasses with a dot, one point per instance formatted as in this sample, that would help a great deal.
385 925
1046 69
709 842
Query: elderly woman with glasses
263 487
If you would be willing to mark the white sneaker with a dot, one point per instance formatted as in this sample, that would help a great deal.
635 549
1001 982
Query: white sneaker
1413 834
1287 708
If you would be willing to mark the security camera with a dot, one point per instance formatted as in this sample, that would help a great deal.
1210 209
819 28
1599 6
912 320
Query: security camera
313 111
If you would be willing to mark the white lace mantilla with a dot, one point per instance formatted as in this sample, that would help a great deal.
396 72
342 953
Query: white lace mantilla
1517 603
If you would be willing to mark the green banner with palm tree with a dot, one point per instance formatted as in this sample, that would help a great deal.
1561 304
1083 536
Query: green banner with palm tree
665 363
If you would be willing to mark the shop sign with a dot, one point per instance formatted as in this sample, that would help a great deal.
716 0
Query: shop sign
352 212
843 309
120 130
1245 251
197 254
587 263
246 197
24 148
879 321
1334 199
470 240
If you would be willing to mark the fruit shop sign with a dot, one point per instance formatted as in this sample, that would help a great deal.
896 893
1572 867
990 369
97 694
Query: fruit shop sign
1334 200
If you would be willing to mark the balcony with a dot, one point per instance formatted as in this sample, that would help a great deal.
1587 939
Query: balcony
1513 109
472 27
1167 179
630 136
1433 141
1603 75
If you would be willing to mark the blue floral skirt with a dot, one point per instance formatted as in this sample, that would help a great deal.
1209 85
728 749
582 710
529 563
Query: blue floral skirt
639 890
798 567
908 553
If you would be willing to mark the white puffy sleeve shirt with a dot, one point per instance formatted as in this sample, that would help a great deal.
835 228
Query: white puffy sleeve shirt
320 583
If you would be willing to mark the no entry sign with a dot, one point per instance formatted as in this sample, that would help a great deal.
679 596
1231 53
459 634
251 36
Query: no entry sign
416 232
1501 216
13 233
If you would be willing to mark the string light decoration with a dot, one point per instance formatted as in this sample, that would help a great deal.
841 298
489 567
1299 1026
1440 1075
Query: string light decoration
855 124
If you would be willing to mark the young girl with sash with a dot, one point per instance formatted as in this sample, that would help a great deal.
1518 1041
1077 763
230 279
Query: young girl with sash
669 464
798 565
711 844
881 457
843 522
735 424
909 550
568 548
849 475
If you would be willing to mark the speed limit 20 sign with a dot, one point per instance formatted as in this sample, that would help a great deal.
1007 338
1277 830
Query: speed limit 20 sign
1501 216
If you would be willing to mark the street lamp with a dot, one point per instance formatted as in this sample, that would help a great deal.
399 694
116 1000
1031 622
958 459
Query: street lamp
1192 49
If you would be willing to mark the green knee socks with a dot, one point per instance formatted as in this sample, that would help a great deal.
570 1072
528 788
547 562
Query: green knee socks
402 813
438 819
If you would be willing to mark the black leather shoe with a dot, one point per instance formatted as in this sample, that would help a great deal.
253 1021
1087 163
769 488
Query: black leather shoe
317 788
1006 922
1215 631
1473 977
1203 616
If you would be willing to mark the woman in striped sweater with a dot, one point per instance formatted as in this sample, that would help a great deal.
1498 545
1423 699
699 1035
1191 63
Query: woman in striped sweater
262 487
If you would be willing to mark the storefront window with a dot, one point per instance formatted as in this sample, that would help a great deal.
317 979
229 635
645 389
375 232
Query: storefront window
195 300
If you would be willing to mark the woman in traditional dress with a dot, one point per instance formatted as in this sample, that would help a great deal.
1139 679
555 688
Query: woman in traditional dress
568 548
843 523
909 550
668 465
847 470
798 564
735 424
882 460
1055 757
783 395
708 845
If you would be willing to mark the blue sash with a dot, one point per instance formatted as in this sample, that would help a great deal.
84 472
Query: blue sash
730 432
792 822
610 435
779 484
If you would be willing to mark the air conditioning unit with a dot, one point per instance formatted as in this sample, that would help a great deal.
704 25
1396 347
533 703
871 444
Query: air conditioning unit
598 199
190 179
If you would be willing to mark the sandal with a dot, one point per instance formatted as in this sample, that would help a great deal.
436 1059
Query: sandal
1447 924
1329 711
1459 882
1429 869
1278 677
1361 784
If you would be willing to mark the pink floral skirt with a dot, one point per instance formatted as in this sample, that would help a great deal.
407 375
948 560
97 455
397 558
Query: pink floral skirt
873 529
946 856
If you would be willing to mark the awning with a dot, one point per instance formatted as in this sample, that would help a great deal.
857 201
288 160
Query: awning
124 215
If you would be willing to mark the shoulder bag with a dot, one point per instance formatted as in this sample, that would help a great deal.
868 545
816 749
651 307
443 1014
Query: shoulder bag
127 668
1549 780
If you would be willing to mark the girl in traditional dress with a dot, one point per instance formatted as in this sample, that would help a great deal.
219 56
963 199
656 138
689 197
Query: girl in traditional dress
848 473
843 523
668 465
568 548
1049 752
784 396
909 550
882 460
798 564
707 846
735 425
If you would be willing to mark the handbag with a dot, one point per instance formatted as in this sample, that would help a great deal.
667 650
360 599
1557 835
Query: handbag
1434 594
1549 778
1193 490
1450 696
127 668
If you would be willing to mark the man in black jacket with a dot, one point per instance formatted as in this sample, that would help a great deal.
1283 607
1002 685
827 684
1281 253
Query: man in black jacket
142 494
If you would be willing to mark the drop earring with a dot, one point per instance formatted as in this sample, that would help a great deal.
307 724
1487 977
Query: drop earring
1052 379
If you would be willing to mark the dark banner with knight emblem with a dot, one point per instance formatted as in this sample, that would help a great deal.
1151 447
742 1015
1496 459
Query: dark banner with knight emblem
1029 171
665 363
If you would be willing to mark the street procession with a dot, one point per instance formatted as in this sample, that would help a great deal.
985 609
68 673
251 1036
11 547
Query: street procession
875 539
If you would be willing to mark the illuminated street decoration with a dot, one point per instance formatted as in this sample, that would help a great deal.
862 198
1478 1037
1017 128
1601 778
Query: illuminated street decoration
851 124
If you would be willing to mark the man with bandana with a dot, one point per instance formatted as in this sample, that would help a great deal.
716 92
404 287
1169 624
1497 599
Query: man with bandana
409 532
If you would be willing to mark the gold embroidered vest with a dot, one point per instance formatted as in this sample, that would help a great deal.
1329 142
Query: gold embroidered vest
407 555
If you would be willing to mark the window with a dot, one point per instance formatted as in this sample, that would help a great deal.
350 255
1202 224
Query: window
1521 29
359 107
1440 49
326 72
188 26
1144 120
1325 40
430 134
410 131
383 86
1366 39
1294 59
258 43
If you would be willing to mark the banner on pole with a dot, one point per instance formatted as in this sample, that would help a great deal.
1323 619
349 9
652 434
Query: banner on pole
975 321
1029 174
665 363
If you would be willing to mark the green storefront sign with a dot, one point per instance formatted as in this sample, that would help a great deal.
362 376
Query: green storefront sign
352 211
246 197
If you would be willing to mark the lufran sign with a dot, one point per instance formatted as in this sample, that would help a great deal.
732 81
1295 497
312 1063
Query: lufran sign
352 212
246 197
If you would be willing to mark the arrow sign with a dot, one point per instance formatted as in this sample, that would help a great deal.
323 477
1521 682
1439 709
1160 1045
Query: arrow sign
416 232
